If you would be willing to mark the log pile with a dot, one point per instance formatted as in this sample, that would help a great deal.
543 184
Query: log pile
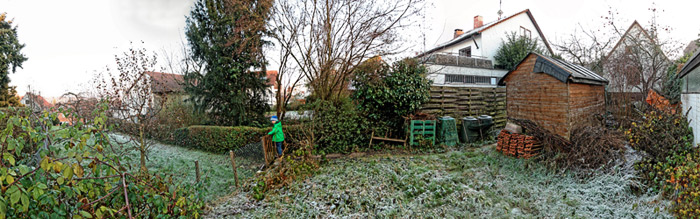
518 145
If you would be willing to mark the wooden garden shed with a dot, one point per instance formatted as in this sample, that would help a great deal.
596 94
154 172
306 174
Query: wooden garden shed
553 93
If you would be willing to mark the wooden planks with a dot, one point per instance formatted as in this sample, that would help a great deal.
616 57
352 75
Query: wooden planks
459 102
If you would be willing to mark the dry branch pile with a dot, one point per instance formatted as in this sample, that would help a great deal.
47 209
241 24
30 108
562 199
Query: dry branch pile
590 148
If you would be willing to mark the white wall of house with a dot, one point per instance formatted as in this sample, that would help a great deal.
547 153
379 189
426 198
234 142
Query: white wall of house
437 72
490 40
483 46
494 36
454 49
690 100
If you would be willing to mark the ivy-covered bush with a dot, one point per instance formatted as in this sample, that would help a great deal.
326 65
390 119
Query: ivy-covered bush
293 166
385 94
71 173
684 182
337 127
661 135
672 163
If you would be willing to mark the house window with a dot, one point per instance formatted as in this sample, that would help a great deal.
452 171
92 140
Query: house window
525 32
470 79
466 51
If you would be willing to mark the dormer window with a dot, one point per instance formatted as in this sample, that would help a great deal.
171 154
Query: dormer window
525 32
466 51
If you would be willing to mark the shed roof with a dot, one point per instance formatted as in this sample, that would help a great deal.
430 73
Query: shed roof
562 71
476 31
691 64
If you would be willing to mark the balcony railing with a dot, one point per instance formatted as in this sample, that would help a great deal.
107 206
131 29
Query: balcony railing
456 60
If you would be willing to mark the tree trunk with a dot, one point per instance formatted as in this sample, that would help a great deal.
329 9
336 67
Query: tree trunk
142 150
280 100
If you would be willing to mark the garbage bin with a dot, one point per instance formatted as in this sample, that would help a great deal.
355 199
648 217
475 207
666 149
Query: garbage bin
470 129
485 122
447 131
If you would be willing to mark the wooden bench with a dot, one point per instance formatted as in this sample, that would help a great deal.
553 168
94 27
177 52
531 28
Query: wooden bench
403 141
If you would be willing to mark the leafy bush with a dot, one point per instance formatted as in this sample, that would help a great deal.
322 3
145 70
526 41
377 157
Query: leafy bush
298 165
684 181
69 174
672 83
661 135
176 114
338 127
514 50
388 93
672 165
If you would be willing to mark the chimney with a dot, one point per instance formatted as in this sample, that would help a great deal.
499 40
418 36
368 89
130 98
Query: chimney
458 32
478 21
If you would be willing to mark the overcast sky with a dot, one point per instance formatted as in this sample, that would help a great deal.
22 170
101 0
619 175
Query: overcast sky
68 40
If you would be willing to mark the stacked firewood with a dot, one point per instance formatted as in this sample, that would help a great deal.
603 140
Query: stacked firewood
517 145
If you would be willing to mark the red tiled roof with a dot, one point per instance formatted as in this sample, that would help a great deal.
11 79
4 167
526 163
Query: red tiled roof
272 78
38 99
166 82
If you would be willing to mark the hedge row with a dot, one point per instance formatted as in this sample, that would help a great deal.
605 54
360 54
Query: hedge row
220 139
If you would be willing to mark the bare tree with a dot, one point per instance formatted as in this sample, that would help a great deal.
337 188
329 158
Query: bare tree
587 48
287 77
132 102
639 61
81 107
327 39
634 58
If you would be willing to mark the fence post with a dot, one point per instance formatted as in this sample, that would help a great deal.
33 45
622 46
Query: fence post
233 164
196 169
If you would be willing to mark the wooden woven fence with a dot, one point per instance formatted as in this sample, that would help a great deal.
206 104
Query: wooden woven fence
269 149
459 102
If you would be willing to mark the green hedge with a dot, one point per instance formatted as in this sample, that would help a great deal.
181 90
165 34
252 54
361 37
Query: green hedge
217 139
220 139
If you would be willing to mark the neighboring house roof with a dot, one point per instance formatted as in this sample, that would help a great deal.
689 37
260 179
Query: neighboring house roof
692 47
627 32
37 99
562 70
479 30
272 78
691 64
166 82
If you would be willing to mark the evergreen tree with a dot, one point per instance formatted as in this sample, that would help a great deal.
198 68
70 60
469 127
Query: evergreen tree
225 36
11 57
515 50
672 84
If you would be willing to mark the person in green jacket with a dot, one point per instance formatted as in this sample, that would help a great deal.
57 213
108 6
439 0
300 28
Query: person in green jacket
277 134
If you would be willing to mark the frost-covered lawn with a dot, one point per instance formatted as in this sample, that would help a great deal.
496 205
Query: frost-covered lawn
465 184
179 162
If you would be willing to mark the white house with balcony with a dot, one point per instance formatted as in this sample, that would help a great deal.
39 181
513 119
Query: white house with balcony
467 60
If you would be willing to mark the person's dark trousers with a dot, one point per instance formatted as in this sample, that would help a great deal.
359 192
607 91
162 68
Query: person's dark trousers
279 148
